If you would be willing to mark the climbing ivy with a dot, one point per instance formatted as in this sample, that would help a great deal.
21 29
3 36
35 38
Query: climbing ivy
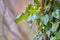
47 16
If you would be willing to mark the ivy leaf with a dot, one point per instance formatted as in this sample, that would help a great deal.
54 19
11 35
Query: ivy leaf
54 27
31 18
37 4
56 14
57 35
19 18
38 16
52 38
45 19
28 8
50 17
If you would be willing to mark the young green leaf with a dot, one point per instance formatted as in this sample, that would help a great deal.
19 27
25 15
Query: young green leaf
19 18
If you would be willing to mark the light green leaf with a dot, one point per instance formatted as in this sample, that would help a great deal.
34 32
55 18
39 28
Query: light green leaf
57 35
19 18
28 8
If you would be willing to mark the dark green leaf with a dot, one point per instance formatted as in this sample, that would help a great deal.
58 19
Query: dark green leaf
36 1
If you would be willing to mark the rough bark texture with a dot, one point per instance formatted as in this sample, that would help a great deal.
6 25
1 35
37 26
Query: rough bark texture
9 30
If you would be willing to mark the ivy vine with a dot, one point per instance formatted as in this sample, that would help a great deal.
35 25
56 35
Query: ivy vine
47 16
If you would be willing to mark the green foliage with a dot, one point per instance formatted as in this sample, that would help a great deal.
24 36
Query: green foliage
56 14
47 19
19 18
57 36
